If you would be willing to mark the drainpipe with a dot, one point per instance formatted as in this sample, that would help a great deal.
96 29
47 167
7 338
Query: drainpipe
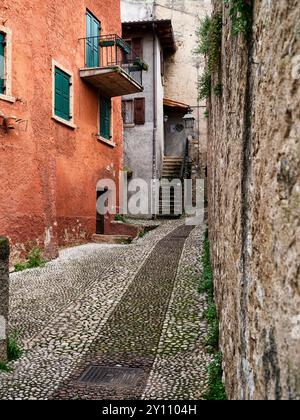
154 162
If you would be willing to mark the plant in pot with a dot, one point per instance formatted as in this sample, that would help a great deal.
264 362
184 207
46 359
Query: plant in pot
141 63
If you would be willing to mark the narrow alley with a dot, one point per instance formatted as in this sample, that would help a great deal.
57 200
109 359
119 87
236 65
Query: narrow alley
149 203
133 310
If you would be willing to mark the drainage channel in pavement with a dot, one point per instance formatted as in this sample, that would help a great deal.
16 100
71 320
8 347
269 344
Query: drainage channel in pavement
121 358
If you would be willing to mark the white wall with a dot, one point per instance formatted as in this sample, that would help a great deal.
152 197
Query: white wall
183 69
138 140
132 10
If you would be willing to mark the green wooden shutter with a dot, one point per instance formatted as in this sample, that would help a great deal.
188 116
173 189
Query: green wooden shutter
105 117
62 94
2 64
92 42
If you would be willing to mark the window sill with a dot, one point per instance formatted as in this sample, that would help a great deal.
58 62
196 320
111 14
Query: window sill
129 125
64 122
108 142
7 98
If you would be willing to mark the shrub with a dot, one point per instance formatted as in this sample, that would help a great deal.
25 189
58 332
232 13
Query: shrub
34 260
14 351
204 85
216 390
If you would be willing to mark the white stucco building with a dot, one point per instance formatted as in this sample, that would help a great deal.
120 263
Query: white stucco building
165 33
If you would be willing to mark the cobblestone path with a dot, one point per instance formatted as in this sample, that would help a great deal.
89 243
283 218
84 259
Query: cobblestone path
114 307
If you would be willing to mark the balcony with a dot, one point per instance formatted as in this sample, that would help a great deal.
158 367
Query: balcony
112 66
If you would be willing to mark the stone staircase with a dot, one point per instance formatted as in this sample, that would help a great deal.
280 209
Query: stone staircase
172 167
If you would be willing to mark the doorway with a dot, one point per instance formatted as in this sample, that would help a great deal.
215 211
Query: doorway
100 219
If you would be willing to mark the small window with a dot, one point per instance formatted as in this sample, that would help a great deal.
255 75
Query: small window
137 46
62 105
128 112
2 63
6 64
105 118
139 111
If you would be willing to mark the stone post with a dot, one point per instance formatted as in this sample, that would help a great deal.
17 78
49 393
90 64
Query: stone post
4 296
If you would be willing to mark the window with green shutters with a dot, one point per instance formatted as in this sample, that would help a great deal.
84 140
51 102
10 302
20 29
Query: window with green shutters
2 63
105 118
62 94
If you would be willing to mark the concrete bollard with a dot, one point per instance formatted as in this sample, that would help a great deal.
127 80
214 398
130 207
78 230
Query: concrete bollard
4 296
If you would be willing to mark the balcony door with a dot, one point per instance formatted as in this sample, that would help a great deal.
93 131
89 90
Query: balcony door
93 29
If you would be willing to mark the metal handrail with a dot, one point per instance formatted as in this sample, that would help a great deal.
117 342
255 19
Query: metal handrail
109 51
185 170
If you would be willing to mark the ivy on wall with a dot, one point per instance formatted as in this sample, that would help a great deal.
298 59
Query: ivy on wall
210 45
240 13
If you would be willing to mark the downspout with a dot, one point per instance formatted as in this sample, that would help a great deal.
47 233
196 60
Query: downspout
154 162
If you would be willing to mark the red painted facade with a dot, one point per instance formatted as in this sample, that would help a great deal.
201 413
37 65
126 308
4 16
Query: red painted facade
49 171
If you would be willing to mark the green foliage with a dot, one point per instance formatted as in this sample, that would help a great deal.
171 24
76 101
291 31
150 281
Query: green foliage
212 340
241 15
215 43
207 286
120 218
4 367
204 85
210 40
216 390
206 114
210 45
142 234
20 267
218 90
34 260
14 351
203 36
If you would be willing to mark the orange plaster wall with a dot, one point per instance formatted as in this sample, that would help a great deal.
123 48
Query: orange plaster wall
49 172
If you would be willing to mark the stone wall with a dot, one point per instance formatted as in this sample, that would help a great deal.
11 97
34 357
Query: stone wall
254 202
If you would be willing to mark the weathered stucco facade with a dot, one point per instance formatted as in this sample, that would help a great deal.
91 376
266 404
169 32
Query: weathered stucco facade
183 68
138 139
49 170
254 201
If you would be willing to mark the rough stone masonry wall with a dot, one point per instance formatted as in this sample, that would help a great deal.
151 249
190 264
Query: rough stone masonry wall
254 200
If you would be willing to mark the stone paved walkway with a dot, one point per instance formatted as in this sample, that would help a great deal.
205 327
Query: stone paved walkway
113 306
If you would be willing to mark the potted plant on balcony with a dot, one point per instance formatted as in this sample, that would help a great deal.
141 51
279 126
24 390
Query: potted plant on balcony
141 63
122 44
107 42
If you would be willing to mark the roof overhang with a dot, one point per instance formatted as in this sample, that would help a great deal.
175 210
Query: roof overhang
163 28
176 106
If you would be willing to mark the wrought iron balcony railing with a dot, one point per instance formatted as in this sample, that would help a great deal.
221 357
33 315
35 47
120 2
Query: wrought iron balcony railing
108 51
